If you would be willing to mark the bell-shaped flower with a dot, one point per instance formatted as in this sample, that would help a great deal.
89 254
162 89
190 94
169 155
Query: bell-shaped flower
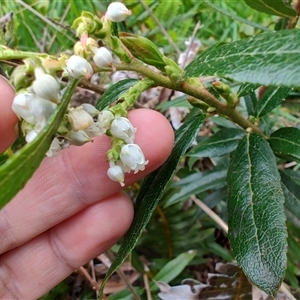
54 147
104 119
116 173
20 107
41 109
91 109
79 67
78 138
133 158
103 58
47 87
79 118
31 135
117 12
123 129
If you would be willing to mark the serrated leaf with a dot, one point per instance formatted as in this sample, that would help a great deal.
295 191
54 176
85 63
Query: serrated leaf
16 171
271 7
114 92
285 143
152 190
270 58
246 89
251 102
221 143
256 219
195 184
271 98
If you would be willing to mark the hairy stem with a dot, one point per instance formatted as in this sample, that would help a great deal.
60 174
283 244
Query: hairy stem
195 91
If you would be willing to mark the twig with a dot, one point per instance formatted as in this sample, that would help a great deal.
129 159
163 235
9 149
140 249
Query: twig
165 33
210 213
93 282
147 288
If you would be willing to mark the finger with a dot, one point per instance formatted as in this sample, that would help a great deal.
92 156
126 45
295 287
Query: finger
76 178
31 270
8 118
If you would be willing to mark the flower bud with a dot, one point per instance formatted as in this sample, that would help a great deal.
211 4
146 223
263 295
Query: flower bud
30 136
104 119
78 67
133 158
116 173
79 118
47 87
117 12
123 129
103 58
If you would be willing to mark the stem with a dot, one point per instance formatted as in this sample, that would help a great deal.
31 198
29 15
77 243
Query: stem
197 92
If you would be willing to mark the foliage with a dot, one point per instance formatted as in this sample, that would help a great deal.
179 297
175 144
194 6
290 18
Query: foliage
241 128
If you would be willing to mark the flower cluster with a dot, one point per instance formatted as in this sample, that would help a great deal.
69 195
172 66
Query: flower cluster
130 157
37 101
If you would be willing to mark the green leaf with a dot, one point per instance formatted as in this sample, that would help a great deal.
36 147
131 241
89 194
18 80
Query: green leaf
285 143
16 171
272 7
235 17
270 58
152 190
291 190
271 98
196 183
256 219
251 102
246 89
221 143
114 92
173 268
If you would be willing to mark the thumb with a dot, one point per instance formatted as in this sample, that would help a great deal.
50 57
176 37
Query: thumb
8 119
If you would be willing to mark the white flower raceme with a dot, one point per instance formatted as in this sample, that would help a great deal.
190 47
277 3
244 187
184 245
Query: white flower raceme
116 173
103 58
123 129
117 12
47 87
78 67
133 158
79 118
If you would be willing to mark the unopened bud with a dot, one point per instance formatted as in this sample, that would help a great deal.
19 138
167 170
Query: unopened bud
117 12
78 67
103 58
116 173
78 138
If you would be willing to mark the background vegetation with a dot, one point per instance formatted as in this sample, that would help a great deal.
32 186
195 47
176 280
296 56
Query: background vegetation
182 239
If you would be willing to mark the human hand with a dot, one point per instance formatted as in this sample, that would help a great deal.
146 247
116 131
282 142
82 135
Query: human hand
70 211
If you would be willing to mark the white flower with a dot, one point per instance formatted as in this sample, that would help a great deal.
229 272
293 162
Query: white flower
117 12
78 138
91 109
20 107
54 147
79 118
116 173
103 58
78 67
31 135
133 158
123 129
47 87
94 130
104 119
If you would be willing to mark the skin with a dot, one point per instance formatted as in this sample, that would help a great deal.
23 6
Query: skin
70 211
